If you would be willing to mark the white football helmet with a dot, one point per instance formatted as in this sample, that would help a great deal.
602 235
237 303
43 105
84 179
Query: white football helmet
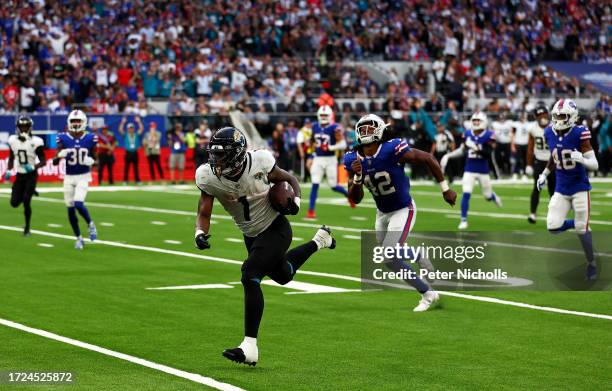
324 115
369 129
478 121
564 114
77 121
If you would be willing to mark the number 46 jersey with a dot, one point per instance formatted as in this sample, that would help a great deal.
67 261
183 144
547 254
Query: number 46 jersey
572 177
246 199
383 175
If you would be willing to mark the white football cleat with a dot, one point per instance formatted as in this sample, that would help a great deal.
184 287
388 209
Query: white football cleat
463 224
430 297
498 201
80 243
532 218
93 232
324 239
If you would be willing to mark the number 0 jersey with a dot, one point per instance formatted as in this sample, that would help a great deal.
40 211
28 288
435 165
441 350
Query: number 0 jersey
540 147
246 200
24 151
80 149
383 175
571 177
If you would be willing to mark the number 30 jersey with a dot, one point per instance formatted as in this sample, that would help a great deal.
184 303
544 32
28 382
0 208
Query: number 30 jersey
246 200
383 175
79 149
571 177
24 151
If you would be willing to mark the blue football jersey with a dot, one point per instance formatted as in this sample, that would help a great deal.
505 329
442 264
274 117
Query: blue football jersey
82 147
571 177
324 137
383 175
475 161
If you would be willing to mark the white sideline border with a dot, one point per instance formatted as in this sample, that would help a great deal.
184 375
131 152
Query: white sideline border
319 274
194 377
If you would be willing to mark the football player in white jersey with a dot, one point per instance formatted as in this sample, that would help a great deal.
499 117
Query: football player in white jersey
520 139
240 180
538 155
502 128
25 150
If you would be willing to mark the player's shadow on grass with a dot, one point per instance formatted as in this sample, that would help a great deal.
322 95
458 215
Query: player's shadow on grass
574 280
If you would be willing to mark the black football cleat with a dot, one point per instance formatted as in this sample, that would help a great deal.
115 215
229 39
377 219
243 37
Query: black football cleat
26 232
237 355
591 272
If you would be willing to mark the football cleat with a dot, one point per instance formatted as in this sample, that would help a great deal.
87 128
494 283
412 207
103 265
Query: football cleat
352 204
26 232
498 201
311 214
93 232
245 354
463 224
80 243
532 218
430 297
324 239
591 272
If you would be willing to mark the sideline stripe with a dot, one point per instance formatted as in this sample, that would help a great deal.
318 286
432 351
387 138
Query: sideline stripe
194 377
319 274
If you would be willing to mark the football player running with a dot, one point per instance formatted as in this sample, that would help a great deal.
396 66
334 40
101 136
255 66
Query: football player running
328 139
241 180
24 149
538 155
479 143
379 165
571 157
78 148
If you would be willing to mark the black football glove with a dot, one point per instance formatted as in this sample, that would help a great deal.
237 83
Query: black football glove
293 206
201 241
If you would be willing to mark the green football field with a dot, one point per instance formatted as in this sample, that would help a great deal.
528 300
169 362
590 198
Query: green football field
91 312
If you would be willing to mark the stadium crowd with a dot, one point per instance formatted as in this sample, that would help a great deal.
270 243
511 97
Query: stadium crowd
113 56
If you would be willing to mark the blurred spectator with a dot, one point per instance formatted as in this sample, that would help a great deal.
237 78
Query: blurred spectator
152 150
106 154
202 134
131 143
176 141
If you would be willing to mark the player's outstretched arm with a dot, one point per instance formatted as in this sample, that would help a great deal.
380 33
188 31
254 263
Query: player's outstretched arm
355 190
416 156
205 205
277 175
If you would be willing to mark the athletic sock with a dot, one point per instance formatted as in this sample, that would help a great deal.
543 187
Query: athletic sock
340 189
314 190
465 204
535 200
586 240
80 206
297 256
74 222
27 212
249 341
253 306
415 282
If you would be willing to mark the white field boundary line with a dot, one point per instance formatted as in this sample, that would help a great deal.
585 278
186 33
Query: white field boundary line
297 224
319 274
194 377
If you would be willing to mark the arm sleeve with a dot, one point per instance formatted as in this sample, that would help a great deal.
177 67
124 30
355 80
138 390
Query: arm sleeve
338 146
590 161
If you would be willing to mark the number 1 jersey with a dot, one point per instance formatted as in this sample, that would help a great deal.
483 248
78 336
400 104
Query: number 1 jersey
571 177
383 175
246 199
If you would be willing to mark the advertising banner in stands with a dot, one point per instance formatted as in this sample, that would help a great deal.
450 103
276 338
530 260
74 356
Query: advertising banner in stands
599 75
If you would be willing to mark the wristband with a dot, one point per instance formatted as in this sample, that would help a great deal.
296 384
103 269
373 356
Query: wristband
358 179
199 232
444 186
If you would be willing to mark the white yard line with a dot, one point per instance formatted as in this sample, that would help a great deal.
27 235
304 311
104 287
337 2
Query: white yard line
194 377
319 274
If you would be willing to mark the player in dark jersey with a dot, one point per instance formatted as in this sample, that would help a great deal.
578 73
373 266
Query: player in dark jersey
24 149
78 148
379 165
479 143
572 156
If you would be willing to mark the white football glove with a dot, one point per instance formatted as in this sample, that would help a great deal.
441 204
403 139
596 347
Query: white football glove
471 144
529 171
444 162
541 181
577 157
64 152
88 161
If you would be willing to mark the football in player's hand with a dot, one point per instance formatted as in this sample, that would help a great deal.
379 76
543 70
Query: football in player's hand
281 196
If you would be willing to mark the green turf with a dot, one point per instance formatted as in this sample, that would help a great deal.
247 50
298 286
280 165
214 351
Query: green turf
356 340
